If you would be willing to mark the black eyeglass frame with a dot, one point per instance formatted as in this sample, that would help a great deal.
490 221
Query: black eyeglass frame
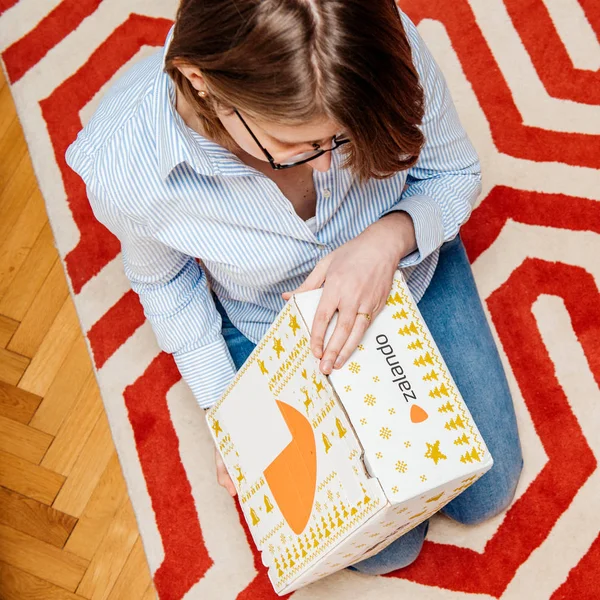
279 166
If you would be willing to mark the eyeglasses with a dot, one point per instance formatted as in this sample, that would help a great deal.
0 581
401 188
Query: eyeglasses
298 159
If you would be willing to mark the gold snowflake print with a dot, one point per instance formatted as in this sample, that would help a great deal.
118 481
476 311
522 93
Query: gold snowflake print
385 433
395 489
370 399
360 347
407 444
354 367
401 466
363 421
379 455
376 378
392 411
423 477
347 388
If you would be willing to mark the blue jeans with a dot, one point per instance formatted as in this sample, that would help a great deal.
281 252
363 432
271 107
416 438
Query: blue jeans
452 309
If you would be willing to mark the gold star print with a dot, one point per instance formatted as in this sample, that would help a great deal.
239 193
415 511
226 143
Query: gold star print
360 347
217 428
294 324
434 452
278 347
263 369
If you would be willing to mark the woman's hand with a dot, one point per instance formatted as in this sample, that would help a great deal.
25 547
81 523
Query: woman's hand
222 474
358 277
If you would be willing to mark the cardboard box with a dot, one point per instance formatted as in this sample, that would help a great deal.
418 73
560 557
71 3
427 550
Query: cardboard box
331 469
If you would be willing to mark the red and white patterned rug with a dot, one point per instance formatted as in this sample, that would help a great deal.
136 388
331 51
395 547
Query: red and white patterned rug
525 77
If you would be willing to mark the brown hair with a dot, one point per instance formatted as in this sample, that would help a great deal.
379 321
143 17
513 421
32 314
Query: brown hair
292 61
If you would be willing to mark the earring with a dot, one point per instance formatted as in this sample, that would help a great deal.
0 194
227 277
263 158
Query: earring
202 93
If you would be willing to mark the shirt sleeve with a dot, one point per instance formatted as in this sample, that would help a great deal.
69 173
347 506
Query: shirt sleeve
174 292
444 184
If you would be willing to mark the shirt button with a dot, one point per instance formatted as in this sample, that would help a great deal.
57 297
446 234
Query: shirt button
326 193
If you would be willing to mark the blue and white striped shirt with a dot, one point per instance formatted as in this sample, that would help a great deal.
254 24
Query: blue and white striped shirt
171 196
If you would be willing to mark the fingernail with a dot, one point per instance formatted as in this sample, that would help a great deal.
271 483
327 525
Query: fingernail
338 363
326 366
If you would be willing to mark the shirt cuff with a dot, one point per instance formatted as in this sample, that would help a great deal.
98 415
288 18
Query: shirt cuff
426 215
207 370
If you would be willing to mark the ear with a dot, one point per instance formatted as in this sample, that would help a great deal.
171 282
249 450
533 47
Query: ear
193 75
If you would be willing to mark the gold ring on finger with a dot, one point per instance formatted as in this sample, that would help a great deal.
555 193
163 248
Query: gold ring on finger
367 315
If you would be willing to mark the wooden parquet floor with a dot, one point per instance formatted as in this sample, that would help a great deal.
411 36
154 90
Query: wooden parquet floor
67 529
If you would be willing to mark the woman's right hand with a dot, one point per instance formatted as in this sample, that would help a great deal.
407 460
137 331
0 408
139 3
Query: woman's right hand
222 474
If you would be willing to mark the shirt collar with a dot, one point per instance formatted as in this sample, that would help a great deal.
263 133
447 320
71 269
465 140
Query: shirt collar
177 143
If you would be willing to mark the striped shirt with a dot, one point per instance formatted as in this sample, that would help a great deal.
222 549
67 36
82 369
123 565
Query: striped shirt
192 217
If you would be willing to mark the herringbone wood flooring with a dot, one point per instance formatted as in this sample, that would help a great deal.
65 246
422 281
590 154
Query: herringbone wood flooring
67 529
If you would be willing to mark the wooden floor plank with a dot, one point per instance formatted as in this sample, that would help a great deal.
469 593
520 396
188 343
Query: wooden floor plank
35 519
37 319
14 249
12 150
28 479
32 273
16 584
64 389
118 542
12 366
7 329
7 109
55 347
23 440
17 404
20 187
71 437
99 512
134 579
41 559
150 593
87 470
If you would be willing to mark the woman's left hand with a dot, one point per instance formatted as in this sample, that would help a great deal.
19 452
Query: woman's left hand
358 278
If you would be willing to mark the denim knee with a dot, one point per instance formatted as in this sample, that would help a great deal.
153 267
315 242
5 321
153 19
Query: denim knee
486 498
399 554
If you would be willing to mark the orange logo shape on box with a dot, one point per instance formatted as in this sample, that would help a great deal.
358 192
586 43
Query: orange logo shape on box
417 414
292 476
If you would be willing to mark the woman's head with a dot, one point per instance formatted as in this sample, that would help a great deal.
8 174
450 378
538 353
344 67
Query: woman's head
302 71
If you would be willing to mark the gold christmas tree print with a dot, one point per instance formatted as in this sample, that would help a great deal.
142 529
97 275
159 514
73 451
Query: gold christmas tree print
455 423
394 299
470 456
446 407
431 375
304 373
326 443
278 347
409 329
423 360
293 324
385 433
342 431
263 369
354 367
416 345
268 504
216 427
463 439
439 391
370 400
434 452
255 519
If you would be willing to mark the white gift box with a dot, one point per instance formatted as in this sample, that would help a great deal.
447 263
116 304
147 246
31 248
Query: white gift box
329 470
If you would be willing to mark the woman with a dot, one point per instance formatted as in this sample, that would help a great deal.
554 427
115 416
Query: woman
290 144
